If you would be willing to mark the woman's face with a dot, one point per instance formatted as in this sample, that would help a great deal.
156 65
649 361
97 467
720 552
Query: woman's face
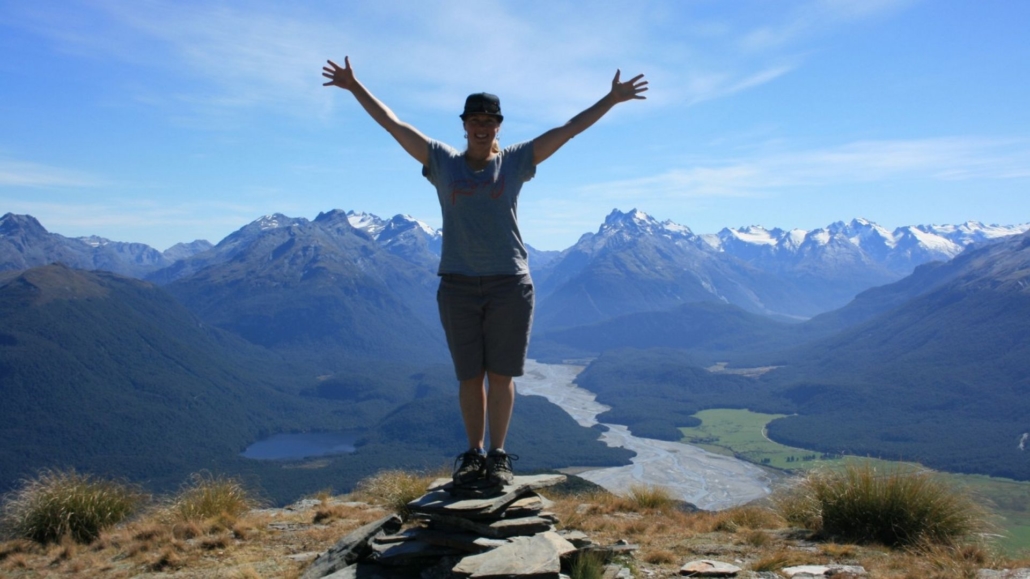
481 129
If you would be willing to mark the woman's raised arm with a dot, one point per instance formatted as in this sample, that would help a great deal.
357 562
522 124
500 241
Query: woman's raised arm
414 142
546 144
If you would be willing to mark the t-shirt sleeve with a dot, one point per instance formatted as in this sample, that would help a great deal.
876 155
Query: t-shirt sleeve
438 152
520 155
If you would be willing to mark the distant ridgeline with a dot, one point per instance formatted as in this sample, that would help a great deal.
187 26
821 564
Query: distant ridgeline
291 324
934 368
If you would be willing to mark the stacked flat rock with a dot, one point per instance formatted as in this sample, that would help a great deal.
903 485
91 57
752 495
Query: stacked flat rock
477 533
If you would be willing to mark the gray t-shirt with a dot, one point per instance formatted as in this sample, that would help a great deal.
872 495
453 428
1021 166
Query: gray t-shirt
480 209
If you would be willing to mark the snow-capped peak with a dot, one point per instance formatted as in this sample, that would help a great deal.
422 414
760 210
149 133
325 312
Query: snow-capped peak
367 222
273 221
636 222
753 234
94 241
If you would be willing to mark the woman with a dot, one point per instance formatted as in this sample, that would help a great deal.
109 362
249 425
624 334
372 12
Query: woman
486 294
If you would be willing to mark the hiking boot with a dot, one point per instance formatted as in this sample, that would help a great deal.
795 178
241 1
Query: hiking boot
498 467
471 469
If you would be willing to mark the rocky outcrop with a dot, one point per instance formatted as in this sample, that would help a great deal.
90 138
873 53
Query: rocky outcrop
506 533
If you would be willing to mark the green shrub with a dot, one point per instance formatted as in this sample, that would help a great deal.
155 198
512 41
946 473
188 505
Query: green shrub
893 508
206 496
65 503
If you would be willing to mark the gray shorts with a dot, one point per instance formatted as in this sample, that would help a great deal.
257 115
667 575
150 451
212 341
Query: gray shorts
487 321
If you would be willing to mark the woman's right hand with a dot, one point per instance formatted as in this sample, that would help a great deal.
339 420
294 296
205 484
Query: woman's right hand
341 77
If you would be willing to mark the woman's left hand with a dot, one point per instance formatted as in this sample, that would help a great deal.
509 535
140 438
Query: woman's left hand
629 90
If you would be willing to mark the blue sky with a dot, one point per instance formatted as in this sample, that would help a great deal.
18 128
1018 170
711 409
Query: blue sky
160 122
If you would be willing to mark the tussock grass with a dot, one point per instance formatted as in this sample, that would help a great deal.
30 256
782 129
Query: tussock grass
756 538
59 503
954 560
660 557
652 497
893 508
394 489
218 499
587 565
746 517
798 506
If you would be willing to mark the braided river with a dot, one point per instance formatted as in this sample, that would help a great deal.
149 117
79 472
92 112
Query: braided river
709 481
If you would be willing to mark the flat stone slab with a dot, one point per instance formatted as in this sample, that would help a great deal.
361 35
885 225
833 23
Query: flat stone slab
577 538
562 545
351 548
361 571
709 568
536 557
498 529
439 499
805 571
460 540
531 504
409 553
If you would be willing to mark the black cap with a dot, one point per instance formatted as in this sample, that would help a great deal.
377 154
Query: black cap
483 103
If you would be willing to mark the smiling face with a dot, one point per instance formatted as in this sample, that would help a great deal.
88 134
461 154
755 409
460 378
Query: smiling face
482 130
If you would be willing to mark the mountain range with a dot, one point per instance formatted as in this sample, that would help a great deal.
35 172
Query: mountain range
932 368
791 274
339 311
25 243
633 263
322 289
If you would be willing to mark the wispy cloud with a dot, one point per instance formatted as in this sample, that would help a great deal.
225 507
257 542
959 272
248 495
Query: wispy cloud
14 173
157 224
943 159
551 58
801 20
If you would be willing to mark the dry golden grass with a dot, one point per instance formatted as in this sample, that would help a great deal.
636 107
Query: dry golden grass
394 489
891 506
64 503
260 542
215 499
746 517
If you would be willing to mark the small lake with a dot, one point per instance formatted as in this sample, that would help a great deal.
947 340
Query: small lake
303 445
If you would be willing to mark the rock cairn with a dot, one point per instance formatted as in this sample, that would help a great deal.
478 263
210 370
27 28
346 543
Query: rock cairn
503 532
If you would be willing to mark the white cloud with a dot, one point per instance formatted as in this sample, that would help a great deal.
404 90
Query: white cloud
35 175
943 159
157 224
801 20
550 58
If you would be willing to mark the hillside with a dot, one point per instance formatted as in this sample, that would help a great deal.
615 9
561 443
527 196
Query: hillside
940 379
108 373
320 291
710 331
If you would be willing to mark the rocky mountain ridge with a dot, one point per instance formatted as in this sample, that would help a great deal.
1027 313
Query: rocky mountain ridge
633 263
25 243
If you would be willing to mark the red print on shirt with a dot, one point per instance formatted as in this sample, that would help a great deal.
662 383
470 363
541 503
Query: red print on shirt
468 188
